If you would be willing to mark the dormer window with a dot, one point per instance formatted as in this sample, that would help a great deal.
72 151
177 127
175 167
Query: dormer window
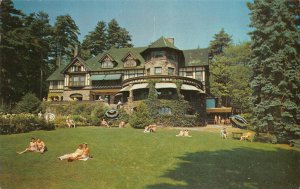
129 61
107 62
77 67
157 70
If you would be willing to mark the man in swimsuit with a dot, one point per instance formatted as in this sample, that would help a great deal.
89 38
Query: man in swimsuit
41 147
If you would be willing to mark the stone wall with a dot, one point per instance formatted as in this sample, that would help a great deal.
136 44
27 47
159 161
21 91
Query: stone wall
163 63
85 94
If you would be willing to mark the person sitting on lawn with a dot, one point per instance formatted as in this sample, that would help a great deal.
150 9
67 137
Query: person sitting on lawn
41 147
150 129
31 148
181 132
104 123
70 123
74 155
86 153
186 133
122 124
223 133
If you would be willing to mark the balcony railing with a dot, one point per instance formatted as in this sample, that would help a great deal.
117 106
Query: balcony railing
163 78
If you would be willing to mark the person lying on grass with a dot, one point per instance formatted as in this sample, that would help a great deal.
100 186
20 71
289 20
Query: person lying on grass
41 147
31 148
77 153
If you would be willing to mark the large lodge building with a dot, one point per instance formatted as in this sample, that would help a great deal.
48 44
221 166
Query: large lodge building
123 75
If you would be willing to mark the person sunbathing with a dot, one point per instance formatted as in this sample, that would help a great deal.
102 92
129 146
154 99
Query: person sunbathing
74 155
184 133
150 129
181 132
31 148
41 147
104 123
122 124
86 153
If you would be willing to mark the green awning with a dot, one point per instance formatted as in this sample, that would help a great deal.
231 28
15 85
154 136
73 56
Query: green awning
106 77
113 77
97 77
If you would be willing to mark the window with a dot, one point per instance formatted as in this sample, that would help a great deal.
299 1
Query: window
77 80
199 76
157 70
170 71
164 110
130 63
107 64
158 54
148 71
189 74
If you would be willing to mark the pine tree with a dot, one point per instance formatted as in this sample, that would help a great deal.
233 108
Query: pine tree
229 77
11 21
220 42
276 67
95 41
117 36
35 64
66 37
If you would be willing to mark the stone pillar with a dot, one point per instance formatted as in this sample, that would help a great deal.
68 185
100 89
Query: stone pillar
130 98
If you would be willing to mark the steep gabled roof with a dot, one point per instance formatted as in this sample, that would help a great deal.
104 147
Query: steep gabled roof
117 55
196 57
73 61
57 75
162 43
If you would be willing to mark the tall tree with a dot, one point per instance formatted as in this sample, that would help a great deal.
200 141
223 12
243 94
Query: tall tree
117 36
37 38
229 77
276 67
95 41
10 41
66 37
220 42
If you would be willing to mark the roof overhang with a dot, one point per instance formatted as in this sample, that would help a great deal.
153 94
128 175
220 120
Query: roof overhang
139 86
191 88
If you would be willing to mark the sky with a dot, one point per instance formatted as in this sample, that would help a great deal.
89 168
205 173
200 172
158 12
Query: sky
192 23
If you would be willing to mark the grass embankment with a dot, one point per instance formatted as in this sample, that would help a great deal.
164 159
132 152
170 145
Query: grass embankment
128 158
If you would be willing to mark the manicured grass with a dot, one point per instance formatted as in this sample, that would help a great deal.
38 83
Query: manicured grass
128 158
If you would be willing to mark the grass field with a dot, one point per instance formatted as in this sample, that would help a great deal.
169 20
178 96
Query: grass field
128 158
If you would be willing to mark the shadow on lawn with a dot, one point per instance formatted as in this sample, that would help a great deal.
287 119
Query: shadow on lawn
236 168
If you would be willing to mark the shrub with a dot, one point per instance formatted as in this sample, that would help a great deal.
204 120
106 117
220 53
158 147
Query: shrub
140 118
21 123
29 104
123 116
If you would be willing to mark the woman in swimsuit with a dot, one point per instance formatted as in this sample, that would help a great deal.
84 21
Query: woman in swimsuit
31 148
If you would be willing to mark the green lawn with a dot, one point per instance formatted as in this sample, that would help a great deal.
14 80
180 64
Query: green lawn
128 158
